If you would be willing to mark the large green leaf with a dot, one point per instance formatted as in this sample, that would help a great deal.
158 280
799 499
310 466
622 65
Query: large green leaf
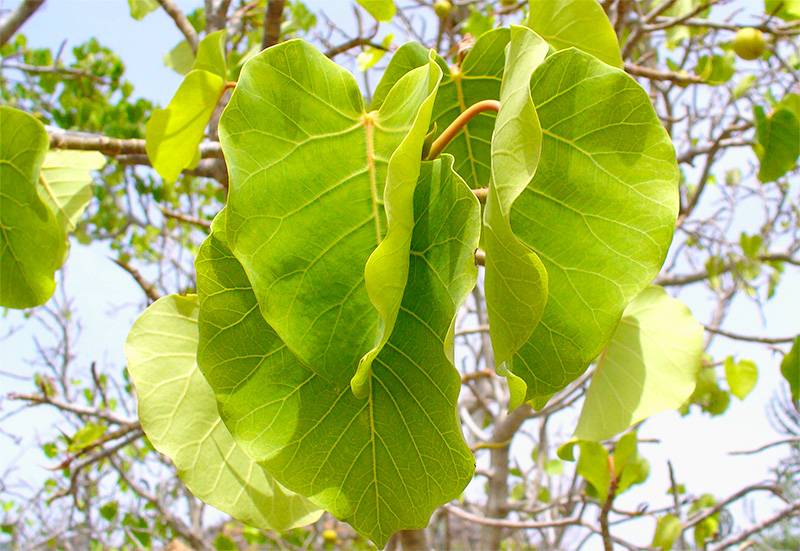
382 463
516 280
174 134
478 78
31 242
778 142
66 179
599 212
382 10
307 206
580 24
650 366
178 413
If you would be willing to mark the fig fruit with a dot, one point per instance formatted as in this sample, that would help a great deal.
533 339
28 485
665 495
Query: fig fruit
442 8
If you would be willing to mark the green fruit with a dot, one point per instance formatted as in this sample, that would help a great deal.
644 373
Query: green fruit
749 43
442 8
508 3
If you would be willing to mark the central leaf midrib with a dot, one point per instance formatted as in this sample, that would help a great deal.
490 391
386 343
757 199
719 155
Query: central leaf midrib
369 124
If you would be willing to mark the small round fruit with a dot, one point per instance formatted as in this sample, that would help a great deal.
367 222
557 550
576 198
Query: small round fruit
442 8
749 43
329 536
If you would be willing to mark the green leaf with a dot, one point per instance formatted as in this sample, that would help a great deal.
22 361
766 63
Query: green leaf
478 78
718 69
211 55
66 183
382 463
741 376
629 466
580 24
478 23
31 243
323 162
140 8
599 212
650 366
179 415
779 140
788 10
174 134
595 467
372 55
109 510
382 10
668 530
790 368
516 280
86 436
180 58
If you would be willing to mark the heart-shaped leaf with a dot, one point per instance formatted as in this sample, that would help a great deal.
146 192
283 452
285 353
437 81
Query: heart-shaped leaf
314 192
599 212
650 366
31 241
382 463
178 413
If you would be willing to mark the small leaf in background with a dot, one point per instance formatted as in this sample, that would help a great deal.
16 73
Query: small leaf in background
224 543
373 55
790 368
717 69
743 86
752 245
707 528
668 530
778 142
31 241
86 436
178 413
741 376
382 10
593 465
629 466
180 58
580 24
554 467
140 8
109 510
650 366
174 134
478 23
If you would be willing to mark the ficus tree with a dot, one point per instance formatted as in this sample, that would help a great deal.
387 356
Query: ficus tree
388 283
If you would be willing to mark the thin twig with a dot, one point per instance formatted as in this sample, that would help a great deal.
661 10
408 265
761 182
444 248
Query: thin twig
181 22
730 541
790 440
146 286
509 523
748 338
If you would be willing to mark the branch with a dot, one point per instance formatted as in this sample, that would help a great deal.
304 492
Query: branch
790 440
205 224
653 74
148 289
17 18
711 511
756 528
62 139
181 22
39 399
686 279
520 525
736 336
273 17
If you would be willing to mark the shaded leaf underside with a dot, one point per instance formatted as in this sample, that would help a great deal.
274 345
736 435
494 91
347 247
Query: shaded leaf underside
382 463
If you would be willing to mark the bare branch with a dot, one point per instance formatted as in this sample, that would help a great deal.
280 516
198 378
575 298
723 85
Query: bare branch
38 399
62 139
654 74
509 523
17 18
146 286
730 541
181 22
748 338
